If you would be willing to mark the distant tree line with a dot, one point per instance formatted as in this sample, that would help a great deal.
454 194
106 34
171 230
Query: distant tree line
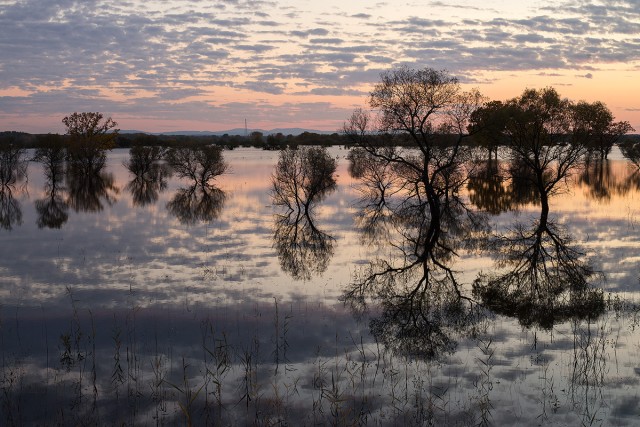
277 141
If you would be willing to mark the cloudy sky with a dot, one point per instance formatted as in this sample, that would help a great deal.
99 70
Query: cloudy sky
167 65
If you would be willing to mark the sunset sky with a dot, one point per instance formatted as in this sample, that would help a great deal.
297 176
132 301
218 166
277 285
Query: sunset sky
162 65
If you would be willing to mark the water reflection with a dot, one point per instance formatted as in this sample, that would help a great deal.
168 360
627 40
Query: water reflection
10 209
302 178
150 174
426 223
546 282
598 178
89 191
631 150
13 171
197 203
52 209
378 185
545 279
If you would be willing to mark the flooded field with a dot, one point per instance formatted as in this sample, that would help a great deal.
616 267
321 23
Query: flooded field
162 302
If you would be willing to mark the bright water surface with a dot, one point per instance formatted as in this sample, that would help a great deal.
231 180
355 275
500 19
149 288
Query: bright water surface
165 313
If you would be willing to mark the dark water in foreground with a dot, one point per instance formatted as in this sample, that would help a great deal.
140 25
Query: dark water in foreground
165 305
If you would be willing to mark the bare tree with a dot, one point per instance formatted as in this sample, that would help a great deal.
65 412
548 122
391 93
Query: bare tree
424 115
427 111
201 164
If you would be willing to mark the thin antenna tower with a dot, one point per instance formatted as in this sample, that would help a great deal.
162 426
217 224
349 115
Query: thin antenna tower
246 132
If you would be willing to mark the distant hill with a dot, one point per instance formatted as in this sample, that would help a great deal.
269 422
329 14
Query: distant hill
237 131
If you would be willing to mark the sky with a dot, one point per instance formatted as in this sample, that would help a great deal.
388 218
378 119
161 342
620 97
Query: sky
171 65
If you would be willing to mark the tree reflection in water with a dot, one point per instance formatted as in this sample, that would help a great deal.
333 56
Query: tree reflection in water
52 209
486 187
197 203
378 186
599 179
87 192
547 280
303 249
302 179
423 308
10 209
13 170
202 200
150 174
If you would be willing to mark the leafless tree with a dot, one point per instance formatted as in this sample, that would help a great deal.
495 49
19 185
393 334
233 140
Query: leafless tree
200 164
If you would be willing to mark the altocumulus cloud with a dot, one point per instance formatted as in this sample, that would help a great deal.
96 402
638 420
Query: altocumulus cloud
65 55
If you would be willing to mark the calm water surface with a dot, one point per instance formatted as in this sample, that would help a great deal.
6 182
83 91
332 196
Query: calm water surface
172 307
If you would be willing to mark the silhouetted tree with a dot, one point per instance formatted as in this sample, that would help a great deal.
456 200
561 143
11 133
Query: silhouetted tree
410 202
276 141
594 126
51 153
200 164
487 125
540 135
427 109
